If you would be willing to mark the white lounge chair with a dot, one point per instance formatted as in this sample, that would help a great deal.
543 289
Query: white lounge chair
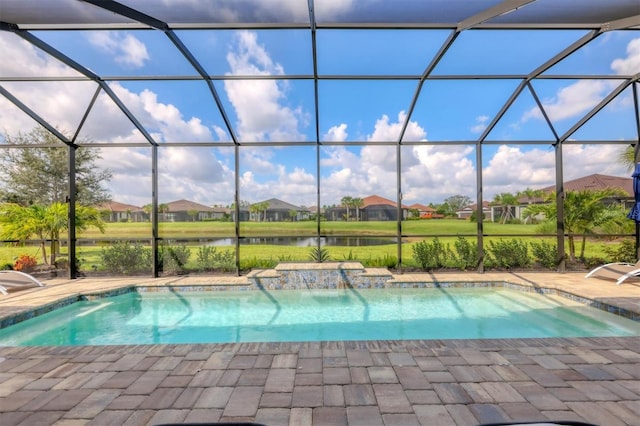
618 271
16 280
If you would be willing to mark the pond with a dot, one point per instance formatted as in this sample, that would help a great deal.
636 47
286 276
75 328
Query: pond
307 241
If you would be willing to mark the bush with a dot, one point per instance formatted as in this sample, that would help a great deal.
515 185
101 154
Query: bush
125 258
319 254
431 255
25 263
387 261
465 255
508 254
6 267
545 253
255 263
623 252
174 258
210 258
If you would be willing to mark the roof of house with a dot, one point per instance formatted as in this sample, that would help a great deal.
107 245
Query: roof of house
485 205
276 204
422 207
115 206
186 205
596 182
376 200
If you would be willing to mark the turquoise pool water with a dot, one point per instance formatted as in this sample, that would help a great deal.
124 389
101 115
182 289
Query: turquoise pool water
314 315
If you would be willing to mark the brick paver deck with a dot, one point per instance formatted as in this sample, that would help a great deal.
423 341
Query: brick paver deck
421 382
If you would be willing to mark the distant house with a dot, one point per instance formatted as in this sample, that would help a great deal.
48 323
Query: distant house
598 182
426 212
373 208
594 182
189 211
276 211
113 211
466 212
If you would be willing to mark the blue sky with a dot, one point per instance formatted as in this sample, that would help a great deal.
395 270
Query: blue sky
373 110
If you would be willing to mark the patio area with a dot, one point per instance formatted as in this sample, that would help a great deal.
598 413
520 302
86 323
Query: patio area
428 382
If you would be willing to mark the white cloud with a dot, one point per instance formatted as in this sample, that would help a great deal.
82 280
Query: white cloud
573 100
481 124
259 103
336 134
125 48
631 64
59 103
578 98
512 169
166 120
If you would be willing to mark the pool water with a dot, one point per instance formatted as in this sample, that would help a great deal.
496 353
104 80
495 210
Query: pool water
315 315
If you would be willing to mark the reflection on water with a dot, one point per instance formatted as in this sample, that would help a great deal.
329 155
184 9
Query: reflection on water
307 241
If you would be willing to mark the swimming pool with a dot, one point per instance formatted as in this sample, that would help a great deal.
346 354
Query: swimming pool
315 315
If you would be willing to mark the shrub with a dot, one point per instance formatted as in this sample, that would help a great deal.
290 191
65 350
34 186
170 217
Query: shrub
465 255
174 258
387 261
545 253
623 252
6 267
431 255
508 254
319 254
255 263
24 262
210 258
125 258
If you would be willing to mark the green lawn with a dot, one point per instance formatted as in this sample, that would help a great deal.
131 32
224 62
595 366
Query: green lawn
446 230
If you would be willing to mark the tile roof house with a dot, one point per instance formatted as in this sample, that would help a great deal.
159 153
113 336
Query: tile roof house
373 207
113 211
425 212
596 182
277 211
189 211
466 212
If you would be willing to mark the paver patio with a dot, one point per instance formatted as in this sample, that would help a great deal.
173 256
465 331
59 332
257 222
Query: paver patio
428 382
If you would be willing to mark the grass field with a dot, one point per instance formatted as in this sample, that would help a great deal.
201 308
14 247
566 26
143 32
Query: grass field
195 234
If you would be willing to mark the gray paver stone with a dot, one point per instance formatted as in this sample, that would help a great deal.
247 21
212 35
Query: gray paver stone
93 404
329 416
382 375
280 380
364 416
412 378
301 417
452 393
213 398
333 396
161 399
400 419
244 401
359 394
488 413
273 416
433 415
307 396
391 399
204 415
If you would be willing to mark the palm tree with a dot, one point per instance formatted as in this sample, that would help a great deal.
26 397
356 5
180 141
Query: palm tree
530 194
506 201
628 157
346 202
46 223
584 212
357 203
